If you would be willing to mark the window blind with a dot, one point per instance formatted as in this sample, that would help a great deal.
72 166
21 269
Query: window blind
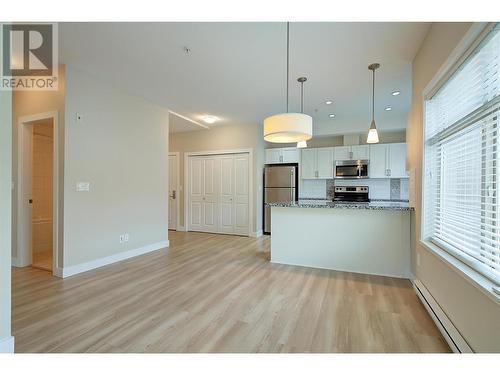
462 161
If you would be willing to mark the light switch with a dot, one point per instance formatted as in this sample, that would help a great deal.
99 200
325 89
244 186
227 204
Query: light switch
83 186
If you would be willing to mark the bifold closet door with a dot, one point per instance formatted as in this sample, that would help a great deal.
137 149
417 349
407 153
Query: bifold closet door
202 194
219 194
241 194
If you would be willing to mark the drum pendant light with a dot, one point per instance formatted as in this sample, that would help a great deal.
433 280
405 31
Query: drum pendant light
288 127
372 132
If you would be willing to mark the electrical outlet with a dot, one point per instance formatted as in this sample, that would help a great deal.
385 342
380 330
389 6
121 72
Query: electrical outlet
79 118
125 237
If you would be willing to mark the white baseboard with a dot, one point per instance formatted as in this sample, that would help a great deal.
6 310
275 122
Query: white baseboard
450 333
7 345
15 262
257 234
93 264
181 228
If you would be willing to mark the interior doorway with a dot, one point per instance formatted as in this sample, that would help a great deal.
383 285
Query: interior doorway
38 191
173 190
42 193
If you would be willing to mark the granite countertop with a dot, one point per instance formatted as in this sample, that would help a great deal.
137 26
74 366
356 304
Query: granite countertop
394 205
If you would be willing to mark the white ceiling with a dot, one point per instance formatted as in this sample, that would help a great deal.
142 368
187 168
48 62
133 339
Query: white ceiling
236 71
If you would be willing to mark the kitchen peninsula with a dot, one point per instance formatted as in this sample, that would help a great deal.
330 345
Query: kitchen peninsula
371 238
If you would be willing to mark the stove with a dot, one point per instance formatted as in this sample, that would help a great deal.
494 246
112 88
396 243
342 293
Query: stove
348 194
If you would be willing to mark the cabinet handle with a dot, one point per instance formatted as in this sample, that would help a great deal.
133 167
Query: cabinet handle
389 172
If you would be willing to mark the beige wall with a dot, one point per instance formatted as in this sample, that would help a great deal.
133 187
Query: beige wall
121 148
225 138
474 314
5 215
338 140
26 103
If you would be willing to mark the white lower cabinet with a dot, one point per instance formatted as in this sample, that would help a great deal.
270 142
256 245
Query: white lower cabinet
219 194
388 160
316 163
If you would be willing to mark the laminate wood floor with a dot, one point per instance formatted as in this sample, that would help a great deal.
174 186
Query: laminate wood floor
216 293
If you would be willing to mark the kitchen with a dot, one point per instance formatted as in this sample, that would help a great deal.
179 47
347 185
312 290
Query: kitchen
352 212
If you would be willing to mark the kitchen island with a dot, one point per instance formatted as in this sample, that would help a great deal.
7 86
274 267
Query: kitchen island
371 238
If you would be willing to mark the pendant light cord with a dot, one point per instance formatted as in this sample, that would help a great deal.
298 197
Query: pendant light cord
373 96
301 97
287 61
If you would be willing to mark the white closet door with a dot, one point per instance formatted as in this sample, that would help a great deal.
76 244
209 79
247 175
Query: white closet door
241 194
196 193
209 195
226 195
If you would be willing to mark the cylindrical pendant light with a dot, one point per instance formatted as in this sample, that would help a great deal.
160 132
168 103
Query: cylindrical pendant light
372 132
288 127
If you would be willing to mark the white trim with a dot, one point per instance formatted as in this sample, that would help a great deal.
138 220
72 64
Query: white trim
257 234
177 155
450 333
251 207
93 264
7 345
16 262
181 228
23 250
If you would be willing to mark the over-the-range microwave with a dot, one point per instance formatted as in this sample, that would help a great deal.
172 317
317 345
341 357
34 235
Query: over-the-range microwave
351 168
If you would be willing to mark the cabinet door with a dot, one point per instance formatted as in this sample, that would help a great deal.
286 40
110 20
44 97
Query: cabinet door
273 155
324 161
290 155
360 152
195 193
342 152
397 160
308 163
378 161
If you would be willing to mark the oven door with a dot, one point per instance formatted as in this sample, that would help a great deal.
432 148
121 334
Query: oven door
351 169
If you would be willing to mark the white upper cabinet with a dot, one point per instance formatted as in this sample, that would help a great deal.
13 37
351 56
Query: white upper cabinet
273 155
308 163
282 155
324 162
388 160
317 163
351 152
378 161
397 160
342 152
360 152
290 155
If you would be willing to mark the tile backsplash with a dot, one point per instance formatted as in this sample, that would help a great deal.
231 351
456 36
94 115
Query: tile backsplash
380 188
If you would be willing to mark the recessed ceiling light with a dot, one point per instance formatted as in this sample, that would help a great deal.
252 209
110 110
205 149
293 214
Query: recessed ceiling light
329 102
331 115
210 119
388 108
396 93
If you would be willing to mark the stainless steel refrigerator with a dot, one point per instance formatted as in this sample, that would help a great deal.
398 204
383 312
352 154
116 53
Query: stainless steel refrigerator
280 185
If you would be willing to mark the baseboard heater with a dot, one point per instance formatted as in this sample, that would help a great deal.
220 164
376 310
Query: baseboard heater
454 339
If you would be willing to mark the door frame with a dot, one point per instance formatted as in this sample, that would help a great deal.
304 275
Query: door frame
24 244
177 155
251 208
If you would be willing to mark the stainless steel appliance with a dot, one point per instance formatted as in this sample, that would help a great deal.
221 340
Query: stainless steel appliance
358 194
280 185
351 169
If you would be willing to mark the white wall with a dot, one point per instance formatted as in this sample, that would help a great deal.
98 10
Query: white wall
121 148
6 341
475 315
225 138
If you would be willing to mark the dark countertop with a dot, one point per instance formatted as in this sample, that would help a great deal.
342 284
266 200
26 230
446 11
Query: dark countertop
398 205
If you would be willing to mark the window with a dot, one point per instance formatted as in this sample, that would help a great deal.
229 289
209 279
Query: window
462 161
